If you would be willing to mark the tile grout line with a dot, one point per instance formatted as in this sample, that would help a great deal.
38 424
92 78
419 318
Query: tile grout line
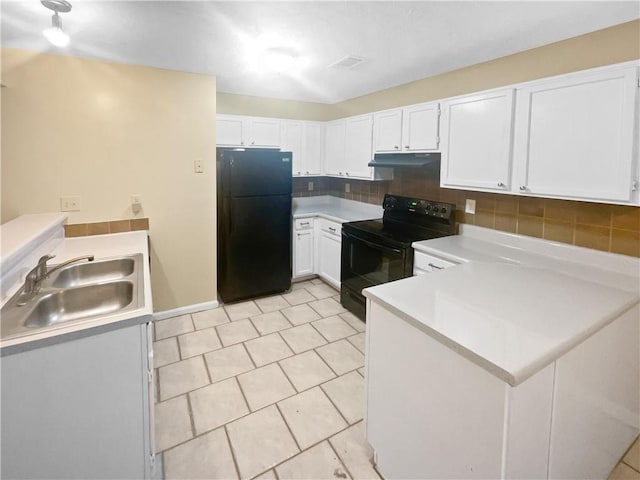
232 450
192 419
284 419
344 464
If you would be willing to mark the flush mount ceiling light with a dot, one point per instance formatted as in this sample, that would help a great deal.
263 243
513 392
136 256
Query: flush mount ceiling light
55 34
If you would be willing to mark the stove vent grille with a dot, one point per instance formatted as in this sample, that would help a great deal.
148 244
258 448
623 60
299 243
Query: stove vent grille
347 62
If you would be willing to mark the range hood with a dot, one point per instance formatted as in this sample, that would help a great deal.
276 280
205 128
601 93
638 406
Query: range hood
430 160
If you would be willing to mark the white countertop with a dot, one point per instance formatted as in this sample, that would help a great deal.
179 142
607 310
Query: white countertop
336 209
101 246
510 305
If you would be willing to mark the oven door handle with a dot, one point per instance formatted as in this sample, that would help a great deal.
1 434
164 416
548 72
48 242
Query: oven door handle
371 244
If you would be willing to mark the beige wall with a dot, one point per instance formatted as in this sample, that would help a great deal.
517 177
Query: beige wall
272 107
105 131
616 44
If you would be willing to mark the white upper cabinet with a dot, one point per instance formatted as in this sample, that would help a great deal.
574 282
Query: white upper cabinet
387 131
230 130
334 149
410 129
292 142
477 141
574 136
242 131
420 127
358 153
312 147
306 141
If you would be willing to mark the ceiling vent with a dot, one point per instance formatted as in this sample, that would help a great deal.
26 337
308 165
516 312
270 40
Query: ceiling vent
347 62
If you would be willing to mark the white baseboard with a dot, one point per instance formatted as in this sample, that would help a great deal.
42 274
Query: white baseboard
197 307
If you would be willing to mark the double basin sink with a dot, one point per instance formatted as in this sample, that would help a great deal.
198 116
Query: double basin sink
76 293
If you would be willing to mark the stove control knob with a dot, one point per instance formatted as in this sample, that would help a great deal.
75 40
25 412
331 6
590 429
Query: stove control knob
389 203
428 208
444 210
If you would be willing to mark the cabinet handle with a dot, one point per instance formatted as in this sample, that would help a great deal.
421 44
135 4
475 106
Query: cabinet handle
435 266
396 147
406 147
333 230
347 174
339 173
307 172
304 223
500 184
253 143
522 188
241 143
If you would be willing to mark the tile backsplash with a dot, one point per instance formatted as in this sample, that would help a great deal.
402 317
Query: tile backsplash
100 228
611 228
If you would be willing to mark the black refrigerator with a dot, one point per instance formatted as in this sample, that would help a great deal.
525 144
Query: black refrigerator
254 222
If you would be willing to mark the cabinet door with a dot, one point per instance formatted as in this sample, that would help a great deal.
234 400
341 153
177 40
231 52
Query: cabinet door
303 253
292 142
358 146
420 127
477 141
230 130
265 132
574 136
329 258
387 131
312 148
334 147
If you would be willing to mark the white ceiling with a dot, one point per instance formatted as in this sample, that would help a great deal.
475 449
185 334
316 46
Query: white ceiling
401 41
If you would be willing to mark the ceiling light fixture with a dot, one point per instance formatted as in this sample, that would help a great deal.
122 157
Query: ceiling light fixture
55 34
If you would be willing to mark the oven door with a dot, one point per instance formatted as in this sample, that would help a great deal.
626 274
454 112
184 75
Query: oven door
366 262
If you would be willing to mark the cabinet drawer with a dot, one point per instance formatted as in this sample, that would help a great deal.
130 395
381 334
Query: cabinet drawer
333 228
427 263
303 223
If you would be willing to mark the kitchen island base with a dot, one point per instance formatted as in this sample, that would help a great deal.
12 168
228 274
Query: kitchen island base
434 413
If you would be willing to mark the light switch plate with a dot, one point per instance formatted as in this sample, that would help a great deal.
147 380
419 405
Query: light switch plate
470 206
70 203
347 187
310 186
198 167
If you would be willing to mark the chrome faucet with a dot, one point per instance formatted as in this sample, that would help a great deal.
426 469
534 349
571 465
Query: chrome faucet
40 272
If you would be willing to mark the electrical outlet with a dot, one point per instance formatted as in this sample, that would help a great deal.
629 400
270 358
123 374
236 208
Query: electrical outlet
310 186
136 203
70 203
347 187
470 206
198 166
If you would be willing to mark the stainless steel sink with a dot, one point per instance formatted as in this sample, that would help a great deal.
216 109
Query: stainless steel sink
82 302
75 294
92 272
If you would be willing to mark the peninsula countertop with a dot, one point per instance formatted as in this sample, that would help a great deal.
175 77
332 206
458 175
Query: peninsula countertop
510 306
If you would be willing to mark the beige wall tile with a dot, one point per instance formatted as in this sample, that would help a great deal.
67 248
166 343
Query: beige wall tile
485 218
99 228
507 222
120 226
530 206
507 204
627 218
592 237
558 230
76 230
139 224
626 242
564 210
593 214
531 226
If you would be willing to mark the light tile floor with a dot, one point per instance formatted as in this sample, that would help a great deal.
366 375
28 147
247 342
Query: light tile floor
270 388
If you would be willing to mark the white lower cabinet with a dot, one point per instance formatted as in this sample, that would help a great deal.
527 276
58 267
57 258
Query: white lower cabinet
329 250
303 251
80 408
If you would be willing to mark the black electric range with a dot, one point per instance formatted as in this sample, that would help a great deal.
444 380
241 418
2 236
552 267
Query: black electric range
379 251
